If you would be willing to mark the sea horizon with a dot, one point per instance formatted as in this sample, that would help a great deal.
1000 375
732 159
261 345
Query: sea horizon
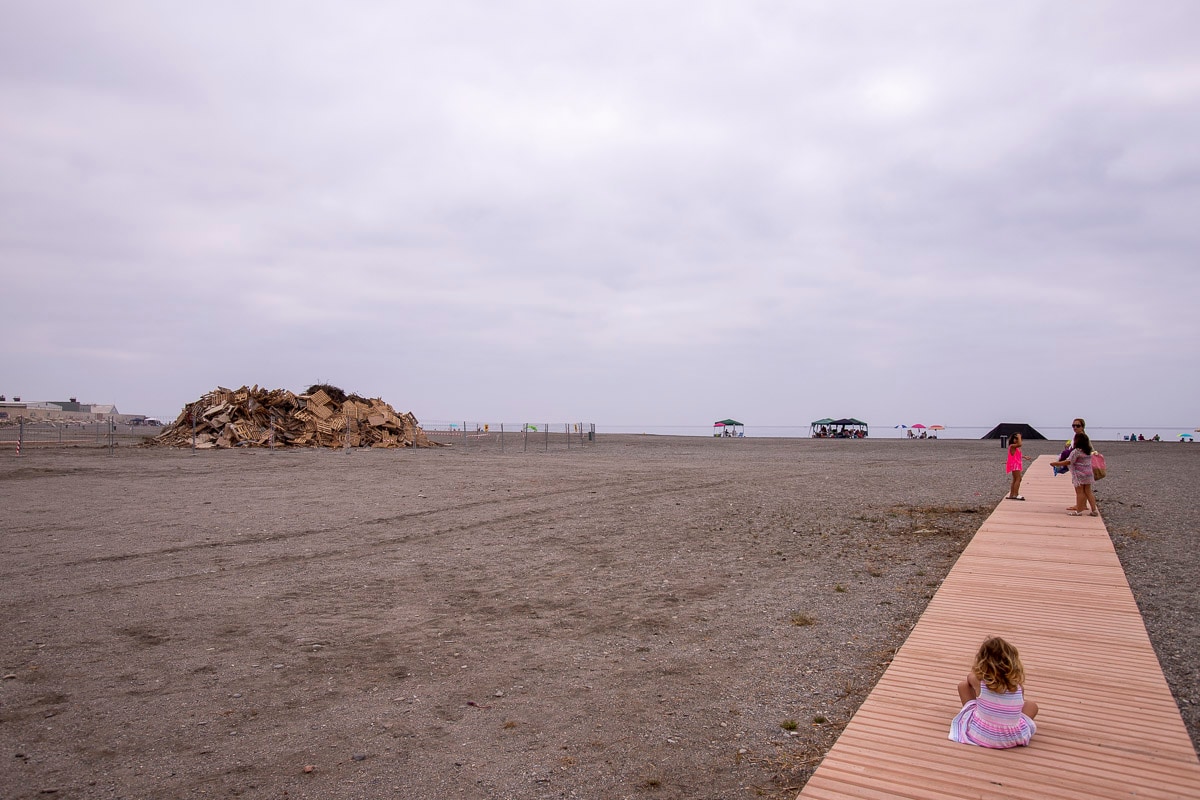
1101 433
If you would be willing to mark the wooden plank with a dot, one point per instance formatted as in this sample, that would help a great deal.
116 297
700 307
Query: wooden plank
1053 586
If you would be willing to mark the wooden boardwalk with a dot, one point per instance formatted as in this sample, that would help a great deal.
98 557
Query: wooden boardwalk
1051 584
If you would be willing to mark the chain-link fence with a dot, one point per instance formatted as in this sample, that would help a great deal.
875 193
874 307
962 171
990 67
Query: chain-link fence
16 434
522 437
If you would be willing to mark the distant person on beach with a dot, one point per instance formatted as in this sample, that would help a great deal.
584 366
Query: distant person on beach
995 712
1080 463
1015 467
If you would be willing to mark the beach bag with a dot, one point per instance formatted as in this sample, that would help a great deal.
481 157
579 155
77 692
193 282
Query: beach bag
1099 468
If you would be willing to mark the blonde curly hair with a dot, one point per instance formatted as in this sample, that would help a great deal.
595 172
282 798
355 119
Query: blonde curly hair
998 665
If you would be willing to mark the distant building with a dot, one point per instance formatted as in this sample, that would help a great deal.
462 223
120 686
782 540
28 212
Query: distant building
66 410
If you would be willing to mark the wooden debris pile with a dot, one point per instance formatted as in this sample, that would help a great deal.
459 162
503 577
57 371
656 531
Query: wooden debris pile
323 417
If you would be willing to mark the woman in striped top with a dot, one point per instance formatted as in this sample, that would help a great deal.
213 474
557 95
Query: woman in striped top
995 712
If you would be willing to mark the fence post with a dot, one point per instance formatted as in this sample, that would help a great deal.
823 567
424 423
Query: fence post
501 437
546 425
20 434
567 433
525 437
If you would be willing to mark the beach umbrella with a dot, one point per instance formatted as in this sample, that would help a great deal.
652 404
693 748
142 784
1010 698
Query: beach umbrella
937 427
918 425
900 426
1185 436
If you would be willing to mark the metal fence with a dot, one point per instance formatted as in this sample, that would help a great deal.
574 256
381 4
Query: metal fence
508 437
16 435
35 434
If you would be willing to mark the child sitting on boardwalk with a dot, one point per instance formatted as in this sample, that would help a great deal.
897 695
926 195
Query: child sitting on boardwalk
995 712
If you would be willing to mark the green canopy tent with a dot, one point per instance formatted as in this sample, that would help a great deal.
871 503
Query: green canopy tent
728 427
815 429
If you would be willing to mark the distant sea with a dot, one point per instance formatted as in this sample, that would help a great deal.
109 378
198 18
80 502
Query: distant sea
1168 433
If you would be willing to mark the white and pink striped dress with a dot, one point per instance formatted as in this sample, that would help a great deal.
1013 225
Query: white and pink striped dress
993 720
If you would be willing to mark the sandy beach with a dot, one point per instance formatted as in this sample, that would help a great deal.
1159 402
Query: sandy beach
642 617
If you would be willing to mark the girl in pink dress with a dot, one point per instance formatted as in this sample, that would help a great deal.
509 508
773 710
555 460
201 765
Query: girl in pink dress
1015 467
995 712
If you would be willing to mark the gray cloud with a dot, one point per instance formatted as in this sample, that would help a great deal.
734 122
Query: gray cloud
637 213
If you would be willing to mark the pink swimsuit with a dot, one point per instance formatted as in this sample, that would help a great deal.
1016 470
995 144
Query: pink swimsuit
1014 461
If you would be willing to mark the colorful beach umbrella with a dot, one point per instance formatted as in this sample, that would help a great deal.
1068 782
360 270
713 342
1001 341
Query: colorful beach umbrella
918 425
937 427
1185 436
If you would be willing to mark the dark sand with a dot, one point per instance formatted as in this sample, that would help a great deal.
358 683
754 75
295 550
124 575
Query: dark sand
645 617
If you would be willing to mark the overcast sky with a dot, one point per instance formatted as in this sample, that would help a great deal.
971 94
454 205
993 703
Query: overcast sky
628 213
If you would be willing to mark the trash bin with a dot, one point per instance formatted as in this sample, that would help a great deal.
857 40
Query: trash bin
1003 441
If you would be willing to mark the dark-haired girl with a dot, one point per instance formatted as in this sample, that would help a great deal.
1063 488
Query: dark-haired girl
1080 464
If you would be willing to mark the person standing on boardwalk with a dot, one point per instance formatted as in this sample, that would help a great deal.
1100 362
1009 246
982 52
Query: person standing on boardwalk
1077 425
1080 463
995 712
1015 467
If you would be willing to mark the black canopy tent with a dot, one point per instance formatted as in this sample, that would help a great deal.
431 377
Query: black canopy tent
1007 429
851 427
848 427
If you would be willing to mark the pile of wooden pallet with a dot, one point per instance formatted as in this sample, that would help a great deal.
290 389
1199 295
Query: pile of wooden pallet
254 417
